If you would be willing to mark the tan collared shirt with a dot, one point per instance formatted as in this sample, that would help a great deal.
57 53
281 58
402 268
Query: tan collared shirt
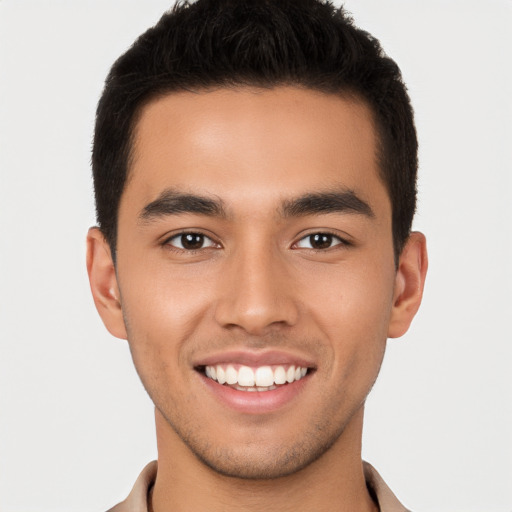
137 501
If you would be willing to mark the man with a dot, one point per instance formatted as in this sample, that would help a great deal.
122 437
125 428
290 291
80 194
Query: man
255 176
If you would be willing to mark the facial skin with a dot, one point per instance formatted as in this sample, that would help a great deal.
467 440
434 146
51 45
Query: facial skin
256 289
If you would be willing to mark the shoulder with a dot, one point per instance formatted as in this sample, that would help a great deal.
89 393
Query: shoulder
379 490
137 500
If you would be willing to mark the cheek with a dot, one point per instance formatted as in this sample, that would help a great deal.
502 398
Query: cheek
353 298
354 317
162 312
159 299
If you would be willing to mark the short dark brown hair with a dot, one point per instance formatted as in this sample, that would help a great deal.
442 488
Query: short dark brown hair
264 43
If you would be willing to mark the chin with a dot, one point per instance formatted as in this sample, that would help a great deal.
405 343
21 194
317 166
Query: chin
257 461
257 466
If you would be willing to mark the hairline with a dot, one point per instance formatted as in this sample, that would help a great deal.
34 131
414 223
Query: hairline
347 93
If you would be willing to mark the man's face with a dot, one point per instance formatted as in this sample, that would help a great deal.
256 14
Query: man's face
255 241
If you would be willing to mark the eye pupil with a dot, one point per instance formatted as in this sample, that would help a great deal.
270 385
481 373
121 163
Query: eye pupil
320 240
192 240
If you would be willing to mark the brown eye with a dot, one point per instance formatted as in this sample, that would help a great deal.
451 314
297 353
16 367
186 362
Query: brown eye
319 241
191 241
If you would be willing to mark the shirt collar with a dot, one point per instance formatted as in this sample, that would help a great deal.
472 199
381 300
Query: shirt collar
137 501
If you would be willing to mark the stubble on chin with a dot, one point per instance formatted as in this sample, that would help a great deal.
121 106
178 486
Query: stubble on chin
258 461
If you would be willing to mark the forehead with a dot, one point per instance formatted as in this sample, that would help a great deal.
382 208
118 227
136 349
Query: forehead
251 144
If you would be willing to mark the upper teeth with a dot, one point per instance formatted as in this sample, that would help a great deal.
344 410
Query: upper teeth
262 376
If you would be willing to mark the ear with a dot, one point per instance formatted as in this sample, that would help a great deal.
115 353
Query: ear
103 281
409 283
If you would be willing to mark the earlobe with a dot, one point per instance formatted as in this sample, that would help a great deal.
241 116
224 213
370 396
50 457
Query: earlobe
409 283
103 282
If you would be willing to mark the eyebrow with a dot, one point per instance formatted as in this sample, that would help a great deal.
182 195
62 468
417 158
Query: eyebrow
344 201
172 202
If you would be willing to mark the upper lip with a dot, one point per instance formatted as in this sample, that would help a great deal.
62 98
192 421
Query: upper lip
255 358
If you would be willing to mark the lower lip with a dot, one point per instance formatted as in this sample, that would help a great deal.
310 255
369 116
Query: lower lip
256 402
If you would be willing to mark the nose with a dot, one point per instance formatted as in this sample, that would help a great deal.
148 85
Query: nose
257 293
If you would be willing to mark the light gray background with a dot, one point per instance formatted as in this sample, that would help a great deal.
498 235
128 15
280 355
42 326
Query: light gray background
76 426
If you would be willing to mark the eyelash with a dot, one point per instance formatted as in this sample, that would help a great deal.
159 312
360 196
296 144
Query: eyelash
341 241
167 242
213 244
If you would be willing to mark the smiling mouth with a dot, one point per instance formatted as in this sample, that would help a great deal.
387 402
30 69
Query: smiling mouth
261 378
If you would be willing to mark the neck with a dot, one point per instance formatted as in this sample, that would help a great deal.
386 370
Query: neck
335 481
